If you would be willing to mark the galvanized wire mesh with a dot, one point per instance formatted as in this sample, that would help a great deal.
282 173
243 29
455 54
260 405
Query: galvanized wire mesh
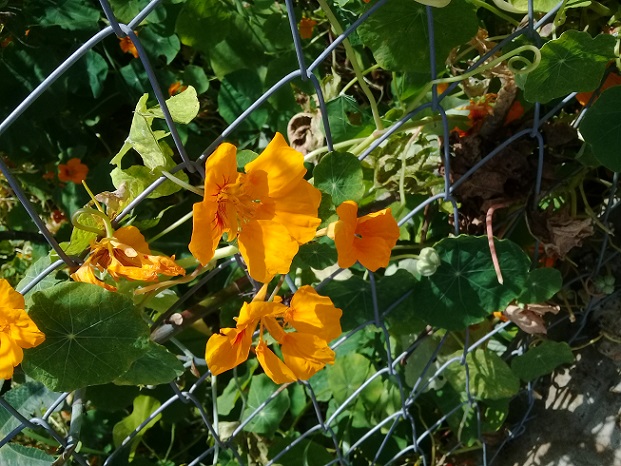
344 453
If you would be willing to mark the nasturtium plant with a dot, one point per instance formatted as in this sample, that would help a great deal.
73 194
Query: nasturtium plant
339 174
92 336
600 131
562 61
465 289
542 359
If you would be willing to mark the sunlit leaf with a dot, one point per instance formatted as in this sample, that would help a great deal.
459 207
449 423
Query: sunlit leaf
340 175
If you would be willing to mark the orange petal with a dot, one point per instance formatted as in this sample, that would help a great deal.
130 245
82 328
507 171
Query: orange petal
24 331
10 355
343 231
131 236
282 166
220 169
376 235
298 211
253 312
274 368
85 274
267 248
274 328
9 298
309 312
305 354
206 231
227 349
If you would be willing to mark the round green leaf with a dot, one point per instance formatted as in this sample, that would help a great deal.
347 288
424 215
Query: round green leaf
155 367
542 360
464 290
92 336
489 377
340 175
573 62
267 421
347 375
601 128
398 35
541 285
315 255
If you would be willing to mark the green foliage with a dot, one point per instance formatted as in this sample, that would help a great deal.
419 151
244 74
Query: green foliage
144 406
267 421
542 359
562 62
339 174
465 289
600 131
92 336
541 285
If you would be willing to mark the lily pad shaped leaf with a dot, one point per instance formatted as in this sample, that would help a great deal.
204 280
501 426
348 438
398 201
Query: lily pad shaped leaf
92 336
542 359
601 128
521 6
398 35
563 65
464 290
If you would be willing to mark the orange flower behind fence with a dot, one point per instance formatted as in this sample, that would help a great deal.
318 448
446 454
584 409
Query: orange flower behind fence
127 46
302 330
17 330
306 27
125 255
74 170
270 209
368 239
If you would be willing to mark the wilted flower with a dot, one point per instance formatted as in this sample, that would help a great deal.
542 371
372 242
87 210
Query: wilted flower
125 255
17 330
368 239
305 351
306 27
127 46
74 170
270 209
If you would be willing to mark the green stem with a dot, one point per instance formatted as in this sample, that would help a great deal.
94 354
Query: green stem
351 55
87 211
182 183
214 401
496 11
355 79
171 227
339 145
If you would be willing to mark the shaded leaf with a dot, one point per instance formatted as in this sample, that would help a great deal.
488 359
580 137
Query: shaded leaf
601 128
542 359
267 420
156 366
238 91
144 406
541 285
316 255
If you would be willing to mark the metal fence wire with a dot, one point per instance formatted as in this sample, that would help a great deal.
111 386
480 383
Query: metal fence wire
404 414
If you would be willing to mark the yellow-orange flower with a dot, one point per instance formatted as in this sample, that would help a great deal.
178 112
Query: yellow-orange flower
302 329
17 330
368 239
306 27
74 170
270 209
127 46
125 255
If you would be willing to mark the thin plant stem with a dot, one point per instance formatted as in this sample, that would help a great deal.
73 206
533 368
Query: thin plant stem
182 183
351 55
171 227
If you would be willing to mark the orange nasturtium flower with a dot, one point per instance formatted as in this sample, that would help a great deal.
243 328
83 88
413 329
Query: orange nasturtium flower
306 27
17 330
270 209
74 170
127 46
125 255
368 239
305 351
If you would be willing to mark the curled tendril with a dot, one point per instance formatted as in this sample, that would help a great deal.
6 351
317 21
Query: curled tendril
109 231
512 57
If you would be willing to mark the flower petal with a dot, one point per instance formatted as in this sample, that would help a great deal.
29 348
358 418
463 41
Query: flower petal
10 355
227 349
343 231
9 298
252 312
220 169
274 368
268 249
24 331
298 211
309 312
376 235
206 231
131 236
86 274
282 165
305 354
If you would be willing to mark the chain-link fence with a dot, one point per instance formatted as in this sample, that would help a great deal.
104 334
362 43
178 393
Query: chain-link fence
404 417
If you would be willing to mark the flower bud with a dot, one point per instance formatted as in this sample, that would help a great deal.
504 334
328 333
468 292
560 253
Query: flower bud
428 262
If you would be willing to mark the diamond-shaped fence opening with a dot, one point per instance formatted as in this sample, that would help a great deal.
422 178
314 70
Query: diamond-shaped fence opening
374 408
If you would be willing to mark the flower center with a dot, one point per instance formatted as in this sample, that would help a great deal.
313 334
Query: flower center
235 208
